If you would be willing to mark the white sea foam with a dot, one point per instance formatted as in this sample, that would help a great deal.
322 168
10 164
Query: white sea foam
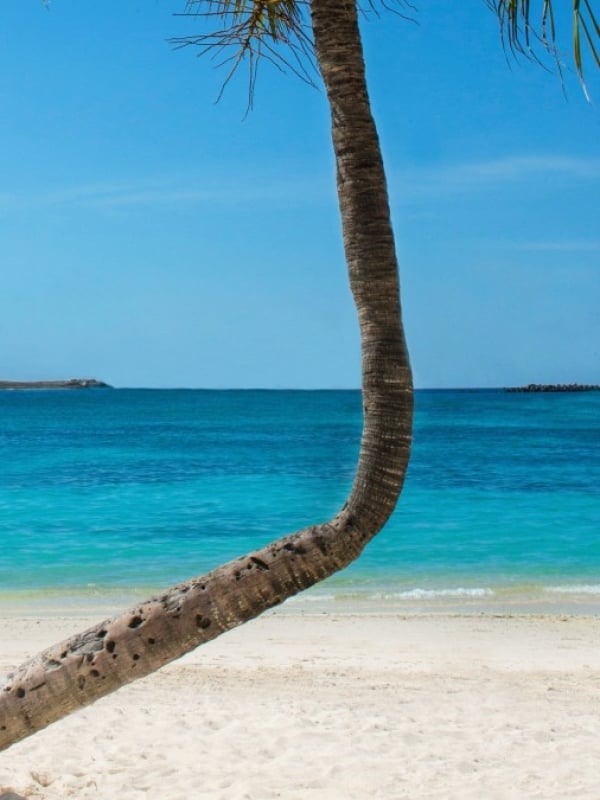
590 588
432 594
312 598
409 594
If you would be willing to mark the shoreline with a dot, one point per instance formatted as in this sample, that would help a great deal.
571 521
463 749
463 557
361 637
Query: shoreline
570 597
332 706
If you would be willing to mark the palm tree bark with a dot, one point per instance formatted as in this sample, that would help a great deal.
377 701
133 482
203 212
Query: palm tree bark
372 266
100 660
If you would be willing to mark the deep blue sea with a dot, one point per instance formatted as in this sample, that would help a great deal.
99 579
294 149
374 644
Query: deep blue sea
119 493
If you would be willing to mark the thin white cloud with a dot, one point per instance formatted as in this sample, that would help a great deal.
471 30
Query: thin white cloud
306 190
286 190
44 198
146 195
174 195
517 168
475 176
576 246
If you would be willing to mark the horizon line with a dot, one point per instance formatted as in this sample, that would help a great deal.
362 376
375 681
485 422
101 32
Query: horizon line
471 388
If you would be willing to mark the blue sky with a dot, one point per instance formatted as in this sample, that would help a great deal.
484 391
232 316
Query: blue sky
150 237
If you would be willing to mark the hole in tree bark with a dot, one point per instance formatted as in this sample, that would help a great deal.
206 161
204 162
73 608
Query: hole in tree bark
20 692
110 646
294 548
202 622
135 622
259 562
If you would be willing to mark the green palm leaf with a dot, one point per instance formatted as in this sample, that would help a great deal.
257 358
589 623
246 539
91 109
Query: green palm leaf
523 25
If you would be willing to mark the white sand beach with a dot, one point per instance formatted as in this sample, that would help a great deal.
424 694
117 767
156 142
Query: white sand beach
333 706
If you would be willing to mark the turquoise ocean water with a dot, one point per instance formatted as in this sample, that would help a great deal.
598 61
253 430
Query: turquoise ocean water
107 495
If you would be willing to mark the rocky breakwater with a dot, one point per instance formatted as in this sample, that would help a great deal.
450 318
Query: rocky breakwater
72 383
555 387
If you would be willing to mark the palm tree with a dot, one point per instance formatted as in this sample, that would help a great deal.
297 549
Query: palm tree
115 652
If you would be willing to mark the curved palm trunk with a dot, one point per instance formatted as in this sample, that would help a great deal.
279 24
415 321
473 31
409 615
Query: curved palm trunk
76 672
372 266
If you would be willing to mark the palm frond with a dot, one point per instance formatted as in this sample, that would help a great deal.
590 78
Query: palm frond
277 31
404 9
250 30
525 27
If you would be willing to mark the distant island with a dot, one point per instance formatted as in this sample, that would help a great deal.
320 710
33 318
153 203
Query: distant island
555 387
72 383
